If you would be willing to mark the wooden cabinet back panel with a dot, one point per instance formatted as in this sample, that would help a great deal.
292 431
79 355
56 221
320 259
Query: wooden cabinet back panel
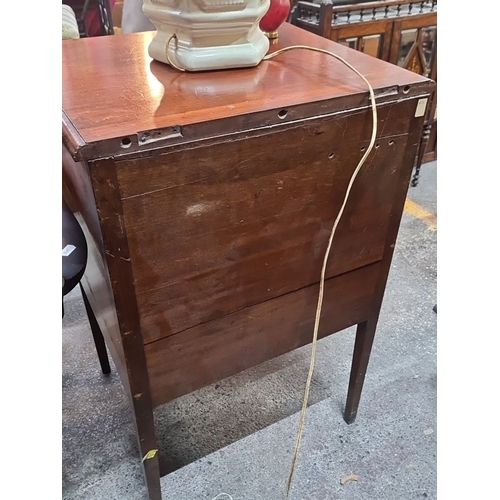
215 229
204 354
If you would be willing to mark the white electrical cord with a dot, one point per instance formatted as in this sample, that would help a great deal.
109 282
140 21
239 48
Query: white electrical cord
327 253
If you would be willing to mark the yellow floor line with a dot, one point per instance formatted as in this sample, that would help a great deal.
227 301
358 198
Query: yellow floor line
415 210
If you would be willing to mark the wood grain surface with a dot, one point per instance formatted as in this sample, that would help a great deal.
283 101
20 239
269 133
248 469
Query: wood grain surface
111 88
219 228
210 352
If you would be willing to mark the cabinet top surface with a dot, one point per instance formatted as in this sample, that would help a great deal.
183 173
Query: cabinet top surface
111 87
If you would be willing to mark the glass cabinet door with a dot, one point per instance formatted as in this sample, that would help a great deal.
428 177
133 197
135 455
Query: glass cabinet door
417 49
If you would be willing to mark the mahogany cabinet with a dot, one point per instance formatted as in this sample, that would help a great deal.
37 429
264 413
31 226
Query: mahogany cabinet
207 200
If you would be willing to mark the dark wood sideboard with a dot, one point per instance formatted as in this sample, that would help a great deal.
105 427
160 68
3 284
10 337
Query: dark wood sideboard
402 32
207 200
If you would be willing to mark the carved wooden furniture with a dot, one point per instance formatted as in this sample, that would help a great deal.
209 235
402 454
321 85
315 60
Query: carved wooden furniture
207 200
402 32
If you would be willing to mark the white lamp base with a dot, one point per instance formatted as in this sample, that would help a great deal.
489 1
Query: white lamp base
210 34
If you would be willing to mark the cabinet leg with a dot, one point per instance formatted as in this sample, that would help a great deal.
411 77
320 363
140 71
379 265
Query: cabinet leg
97 334
151 470
362 348
148 447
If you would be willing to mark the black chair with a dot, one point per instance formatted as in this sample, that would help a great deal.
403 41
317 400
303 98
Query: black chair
74 262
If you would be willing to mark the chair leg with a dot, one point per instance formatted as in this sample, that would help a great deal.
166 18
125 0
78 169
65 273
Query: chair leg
421 150
97 334
362 348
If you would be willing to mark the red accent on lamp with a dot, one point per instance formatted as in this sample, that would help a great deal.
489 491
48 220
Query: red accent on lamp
275 17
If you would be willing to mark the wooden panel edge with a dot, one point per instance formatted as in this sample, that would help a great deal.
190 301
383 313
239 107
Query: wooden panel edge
72 139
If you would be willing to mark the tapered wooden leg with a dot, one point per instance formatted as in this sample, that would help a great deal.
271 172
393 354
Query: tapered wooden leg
362 348
151 470
97 334
130 357
148 446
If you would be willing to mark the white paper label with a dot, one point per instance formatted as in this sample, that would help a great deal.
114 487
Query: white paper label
421 105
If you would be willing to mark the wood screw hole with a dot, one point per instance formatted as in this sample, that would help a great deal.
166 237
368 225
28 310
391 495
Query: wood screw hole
126 143
406 89
282 113
331 156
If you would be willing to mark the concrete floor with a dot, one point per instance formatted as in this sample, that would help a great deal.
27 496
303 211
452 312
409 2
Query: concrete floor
237 436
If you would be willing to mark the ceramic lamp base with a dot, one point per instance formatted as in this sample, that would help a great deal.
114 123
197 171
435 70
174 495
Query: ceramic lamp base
210 34
212 57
